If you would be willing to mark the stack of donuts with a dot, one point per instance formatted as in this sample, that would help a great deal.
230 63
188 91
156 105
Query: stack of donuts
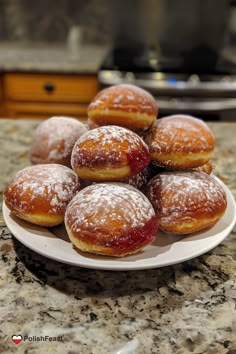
117 181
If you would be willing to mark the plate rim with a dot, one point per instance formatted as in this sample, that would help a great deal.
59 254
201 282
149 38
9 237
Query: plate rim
122 266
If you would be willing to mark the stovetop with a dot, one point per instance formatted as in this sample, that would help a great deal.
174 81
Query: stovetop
204 90
173 84
149 61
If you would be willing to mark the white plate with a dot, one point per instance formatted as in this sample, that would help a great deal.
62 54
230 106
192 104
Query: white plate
165 250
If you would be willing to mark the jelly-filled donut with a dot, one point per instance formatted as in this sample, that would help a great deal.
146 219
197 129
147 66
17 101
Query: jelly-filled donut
110 219
109 153
40 193
125 105
186 202
180 142
54 139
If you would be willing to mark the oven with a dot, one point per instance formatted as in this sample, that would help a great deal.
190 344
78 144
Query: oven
188 64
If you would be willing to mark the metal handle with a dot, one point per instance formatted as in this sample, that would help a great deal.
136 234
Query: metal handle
165 87
199 105
48 87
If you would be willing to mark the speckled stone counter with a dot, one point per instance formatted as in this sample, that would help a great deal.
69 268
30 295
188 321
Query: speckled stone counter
30 57
186 308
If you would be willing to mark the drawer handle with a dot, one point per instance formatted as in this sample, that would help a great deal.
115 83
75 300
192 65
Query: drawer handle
49 87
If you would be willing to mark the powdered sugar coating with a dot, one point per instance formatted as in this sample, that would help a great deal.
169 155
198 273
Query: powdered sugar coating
125 97
180 197
54 138
106 204
110 133
110 146
180 133
42 189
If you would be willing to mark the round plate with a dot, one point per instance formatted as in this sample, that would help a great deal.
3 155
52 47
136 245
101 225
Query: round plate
165 250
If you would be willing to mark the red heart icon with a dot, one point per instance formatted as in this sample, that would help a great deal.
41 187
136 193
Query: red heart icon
17 339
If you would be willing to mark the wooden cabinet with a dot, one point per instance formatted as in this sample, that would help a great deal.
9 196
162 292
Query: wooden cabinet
1 99
42 96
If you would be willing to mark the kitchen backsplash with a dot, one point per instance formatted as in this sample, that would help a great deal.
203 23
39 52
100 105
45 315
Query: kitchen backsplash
51 21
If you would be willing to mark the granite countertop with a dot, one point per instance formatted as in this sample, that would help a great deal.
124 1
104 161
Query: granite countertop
185 308
30 57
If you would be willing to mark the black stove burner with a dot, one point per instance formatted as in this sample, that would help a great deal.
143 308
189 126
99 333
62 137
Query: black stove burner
201 60
130 60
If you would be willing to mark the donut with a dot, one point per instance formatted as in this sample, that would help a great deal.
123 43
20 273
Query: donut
53 140
110 219
40 193
180 142
186 201
124 105
109 153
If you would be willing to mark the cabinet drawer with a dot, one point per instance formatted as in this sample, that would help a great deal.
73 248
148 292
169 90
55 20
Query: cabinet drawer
1 91
2 112
46 110
50 88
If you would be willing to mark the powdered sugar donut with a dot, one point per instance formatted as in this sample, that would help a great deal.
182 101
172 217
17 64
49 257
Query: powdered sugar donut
186 202
110 219
109 153
125 105
53 140
180 142
40 193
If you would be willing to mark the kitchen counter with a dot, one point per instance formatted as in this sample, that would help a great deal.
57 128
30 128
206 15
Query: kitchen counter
30 57
181 309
